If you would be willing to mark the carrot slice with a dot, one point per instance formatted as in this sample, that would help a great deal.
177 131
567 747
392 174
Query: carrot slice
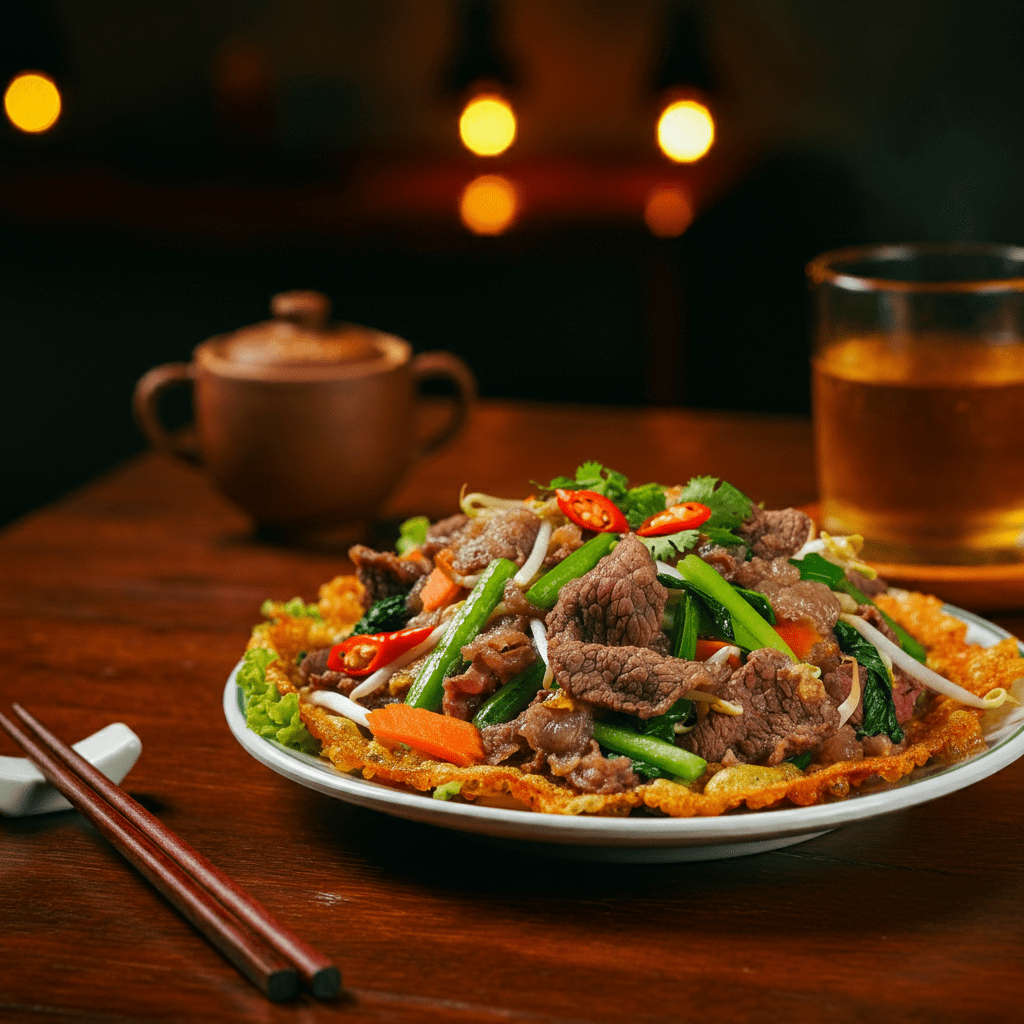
450 739
801 636
705 648
438 591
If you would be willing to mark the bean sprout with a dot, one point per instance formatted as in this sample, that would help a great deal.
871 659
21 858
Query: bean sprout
852 702
540 638
537 555
340 705
993 699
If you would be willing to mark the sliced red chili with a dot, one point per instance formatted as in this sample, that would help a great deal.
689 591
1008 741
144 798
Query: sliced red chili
686 516
361 655
592 511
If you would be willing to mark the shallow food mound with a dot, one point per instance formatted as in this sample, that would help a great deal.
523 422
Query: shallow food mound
616 651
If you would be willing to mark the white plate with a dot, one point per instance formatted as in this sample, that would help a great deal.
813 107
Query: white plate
651 839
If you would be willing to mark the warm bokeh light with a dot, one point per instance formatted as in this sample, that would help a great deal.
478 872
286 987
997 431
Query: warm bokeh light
488 204
488 125
668 211
686 131
32 102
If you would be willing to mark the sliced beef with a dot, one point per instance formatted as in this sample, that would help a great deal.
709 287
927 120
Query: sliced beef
791 598
495 656
515 602
620 601
785 712
779 533
843 746
558 732
635 680
509 534
314 671
384 574
596 773
564 541
838 681
872 588
870 614
441 534
906 691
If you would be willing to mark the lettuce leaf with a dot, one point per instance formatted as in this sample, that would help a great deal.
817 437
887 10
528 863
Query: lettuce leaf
412 534
296 608
267 713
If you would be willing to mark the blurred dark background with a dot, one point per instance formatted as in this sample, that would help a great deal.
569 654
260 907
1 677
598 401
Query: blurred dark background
212 152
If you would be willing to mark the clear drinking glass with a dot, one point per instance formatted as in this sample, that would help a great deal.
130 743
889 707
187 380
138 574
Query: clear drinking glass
918 399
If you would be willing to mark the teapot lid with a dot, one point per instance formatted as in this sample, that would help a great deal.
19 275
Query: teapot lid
300 334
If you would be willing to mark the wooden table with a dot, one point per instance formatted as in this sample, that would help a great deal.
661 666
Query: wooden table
132 599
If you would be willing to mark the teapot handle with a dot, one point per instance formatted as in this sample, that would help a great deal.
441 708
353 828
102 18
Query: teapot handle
432 365
145 407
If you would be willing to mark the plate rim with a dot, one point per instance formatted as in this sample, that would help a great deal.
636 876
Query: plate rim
592 830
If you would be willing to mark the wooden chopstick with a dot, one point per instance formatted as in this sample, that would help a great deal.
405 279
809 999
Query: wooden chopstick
263 949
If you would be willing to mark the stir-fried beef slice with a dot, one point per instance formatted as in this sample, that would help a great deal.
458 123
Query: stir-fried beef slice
620 601
441 533
843 746
906 691
515 602
725 561
314 671
495 656
509 534
779 533
785 712
870 614
791 598
596 773
384 574
635 680
558 731
565 539
872 588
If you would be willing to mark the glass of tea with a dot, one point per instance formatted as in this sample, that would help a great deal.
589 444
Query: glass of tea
918 400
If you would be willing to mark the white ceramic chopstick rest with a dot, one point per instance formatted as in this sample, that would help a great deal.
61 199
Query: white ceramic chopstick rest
24 791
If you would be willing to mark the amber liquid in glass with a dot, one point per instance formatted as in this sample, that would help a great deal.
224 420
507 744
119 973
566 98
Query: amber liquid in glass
920 447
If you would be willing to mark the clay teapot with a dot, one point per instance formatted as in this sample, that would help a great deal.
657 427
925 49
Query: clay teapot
303 423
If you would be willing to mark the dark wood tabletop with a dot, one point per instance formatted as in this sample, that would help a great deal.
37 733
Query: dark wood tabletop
131 600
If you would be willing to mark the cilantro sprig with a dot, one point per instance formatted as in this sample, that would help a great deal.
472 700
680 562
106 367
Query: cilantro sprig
729 506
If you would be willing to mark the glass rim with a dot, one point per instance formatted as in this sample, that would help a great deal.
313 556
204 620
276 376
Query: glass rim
822 269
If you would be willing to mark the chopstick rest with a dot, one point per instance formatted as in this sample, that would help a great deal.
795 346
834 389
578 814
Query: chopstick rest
263 949
24 790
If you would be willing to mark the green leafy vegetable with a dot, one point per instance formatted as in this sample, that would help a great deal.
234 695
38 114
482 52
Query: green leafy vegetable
801 760
679 763
759 603
267 713
729 507
686 629
749 629
642 502
296 608
412 534
671 546
383 616
447 791
879 706
818 568
663 726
